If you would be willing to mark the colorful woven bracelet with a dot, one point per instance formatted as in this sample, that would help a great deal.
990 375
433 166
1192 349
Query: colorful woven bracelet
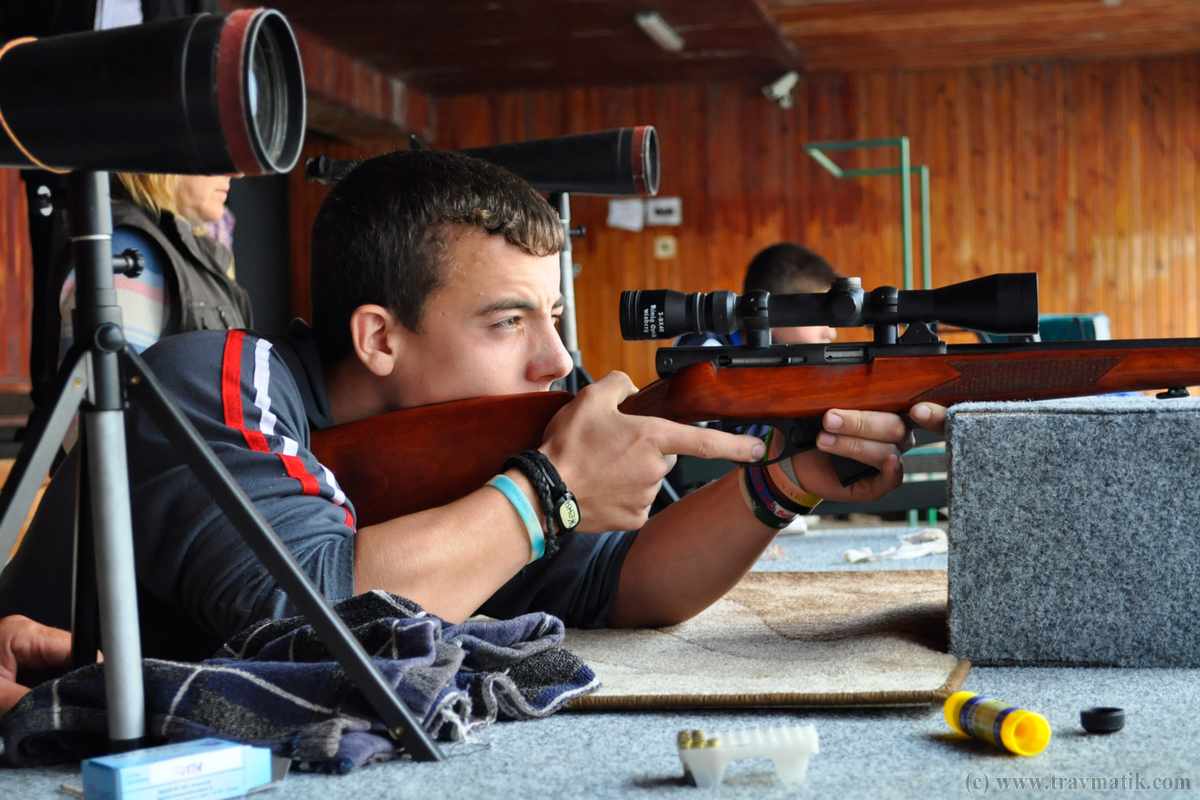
790 494
758 497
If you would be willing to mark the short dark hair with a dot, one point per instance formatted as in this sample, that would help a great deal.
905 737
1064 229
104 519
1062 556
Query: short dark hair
788 268
380 235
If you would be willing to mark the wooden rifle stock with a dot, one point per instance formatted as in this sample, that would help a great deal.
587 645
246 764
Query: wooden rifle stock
419 458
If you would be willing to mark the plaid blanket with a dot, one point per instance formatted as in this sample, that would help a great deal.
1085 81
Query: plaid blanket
275 685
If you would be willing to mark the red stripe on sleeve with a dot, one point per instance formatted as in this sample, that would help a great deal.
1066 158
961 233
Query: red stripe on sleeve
231 397
231 392
231 380
295 469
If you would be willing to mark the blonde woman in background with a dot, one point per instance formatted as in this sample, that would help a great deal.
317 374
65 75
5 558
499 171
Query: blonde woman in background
188 281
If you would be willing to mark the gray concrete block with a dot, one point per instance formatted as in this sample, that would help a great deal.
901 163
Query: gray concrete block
1075 532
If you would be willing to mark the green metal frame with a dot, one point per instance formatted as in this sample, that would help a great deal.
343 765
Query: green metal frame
818 151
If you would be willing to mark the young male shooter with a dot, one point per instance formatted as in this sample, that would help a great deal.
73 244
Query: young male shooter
435 278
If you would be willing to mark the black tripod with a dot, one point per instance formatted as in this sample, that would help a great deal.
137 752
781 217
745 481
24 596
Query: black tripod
97 373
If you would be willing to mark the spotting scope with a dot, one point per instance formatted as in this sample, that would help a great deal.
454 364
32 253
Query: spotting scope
204 94
618 162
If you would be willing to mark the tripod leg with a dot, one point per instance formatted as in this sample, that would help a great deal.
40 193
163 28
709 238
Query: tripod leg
300 589
46 432
116 581
85 619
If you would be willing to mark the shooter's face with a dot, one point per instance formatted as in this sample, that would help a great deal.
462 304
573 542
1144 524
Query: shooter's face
491 329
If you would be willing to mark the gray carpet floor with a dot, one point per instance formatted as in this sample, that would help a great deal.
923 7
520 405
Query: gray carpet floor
870 753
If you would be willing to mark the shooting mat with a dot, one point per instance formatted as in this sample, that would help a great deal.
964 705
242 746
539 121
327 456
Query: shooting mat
786 639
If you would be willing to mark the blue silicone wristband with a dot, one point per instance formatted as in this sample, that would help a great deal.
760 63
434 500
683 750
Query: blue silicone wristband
537 539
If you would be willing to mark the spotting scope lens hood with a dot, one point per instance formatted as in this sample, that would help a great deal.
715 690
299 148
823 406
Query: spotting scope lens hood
205 94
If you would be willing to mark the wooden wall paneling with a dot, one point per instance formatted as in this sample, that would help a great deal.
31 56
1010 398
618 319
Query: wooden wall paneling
953 224
1085 172
1134 193
16 284
1090 179
1169 214
972 247
1004 186
1157 114
1187 185
304 199
1116 125
1064 248
878 253
1024 155
722 186
1058 248
1168 260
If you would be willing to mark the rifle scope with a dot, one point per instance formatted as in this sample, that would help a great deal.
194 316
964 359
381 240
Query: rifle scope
1003 304
205 94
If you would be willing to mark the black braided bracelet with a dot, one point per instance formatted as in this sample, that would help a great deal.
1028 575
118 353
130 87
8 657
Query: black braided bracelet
541 486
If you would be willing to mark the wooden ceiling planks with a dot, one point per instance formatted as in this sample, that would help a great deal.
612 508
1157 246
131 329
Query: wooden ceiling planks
448 47
858 35
451 47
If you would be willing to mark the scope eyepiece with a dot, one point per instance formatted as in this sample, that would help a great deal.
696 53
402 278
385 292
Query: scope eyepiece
663 314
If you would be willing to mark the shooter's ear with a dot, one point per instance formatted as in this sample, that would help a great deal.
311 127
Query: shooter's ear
376 338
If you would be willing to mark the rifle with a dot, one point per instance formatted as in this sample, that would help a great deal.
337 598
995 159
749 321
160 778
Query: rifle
410 460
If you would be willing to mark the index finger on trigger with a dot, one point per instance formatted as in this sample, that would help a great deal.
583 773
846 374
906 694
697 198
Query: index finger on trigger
687 440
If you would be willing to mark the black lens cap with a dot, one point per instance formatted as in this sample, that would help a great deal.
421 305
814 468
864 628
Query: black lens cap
1102 719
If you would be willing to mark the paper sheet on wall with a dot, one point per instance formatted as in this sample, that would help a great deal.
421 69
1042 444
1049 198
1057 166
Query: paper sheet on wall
627 214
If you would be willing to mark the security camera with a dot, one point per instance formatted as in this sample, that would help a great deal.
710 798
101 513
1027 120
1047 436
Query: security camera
781 88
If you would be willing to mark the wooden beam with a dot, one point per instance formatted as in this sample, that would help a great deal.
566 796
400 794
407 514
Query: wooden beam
350 100
358 104
790 55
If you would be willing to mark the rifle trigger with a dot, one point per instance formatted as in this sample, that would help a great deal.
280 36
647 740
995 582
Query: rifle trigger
798 435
